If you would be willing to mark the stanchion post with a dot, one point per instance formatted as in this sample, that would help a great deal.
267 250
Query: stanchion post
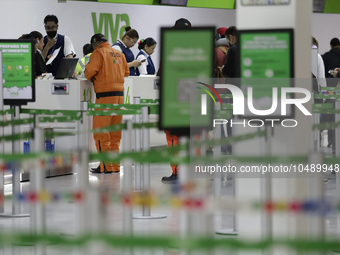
16 208
83 126
316 120
146 210
337 149
218 182
37 185
127 179
146 166
266 190
217 154
316 193
2 147
138 177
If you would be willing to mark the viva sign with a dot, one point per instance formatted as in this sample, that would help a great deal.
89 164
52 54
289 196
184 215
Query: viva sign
106 21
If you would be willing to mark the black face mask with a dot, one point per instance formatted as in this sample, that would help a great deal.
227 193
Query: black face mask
51 34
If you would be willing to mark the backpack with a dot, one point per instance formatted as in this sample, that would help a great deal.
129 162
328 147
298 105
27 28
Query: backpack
225 51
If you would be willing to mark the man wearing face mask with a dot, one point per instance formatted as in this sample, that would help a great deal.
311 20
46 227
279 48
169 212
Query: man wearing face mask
54 41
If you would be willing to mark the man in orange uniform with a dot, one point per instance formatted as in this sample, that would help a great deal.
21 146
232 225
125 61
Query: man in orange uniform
106 69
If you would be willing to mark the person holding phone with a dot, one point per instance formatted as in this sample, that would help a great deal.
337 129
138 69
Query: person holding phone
147 47
123 45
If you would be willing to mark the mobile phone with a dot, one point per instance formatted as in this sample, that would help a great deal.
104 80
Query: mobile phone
331 72
143 60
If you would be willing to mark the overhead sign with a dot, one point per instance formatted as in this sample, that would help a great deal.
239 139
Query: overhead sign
264 2
18 71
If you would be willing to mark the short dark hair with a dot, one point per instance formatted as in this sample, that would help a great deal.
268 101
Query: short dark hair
230 31
148 41
52 18
36 35
87 48
335 42
132 33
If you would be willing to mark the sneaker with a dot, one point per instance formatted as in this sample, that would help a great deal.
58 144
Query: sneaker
95 170
172 179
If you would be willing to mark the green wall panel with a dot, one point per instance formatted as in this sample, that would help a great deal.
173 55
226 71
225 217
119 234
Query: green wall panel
128 1
224 4
332 6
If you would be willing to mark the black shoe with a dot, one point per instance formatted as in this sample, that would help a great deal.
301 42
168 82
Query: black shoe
172 179
111 172
95 170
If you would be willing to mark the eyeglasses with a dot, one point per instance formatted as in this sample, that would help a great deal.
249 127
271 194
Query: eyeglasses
51 28
132 40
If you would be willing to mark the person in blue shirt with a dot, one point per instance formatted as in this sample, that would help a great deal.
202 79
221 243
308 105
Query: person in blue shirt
147 47
124 44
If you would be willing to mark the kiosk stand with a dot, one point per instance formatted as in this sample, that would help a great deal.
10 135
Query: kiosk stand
18 88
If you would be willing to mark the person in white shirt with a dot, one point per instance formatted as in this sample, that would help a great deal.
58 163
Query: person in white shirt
123 45
147 47
54 41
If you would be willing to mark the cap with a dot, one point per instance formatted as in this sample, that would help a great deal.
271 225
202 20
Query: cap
98 38
221 31
182 23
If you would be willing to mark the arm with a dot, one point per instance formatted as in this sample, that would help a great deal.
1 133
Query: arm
126 67
68 48
95 63
230 63
321 72
47 47
142 68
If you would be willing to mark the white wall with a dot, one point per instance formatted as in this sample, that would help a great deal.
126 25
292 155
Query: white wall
325 27
75 19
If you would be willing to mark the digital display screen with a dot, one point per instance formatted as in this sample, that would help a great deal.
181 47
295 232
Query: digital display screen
186 55
18 71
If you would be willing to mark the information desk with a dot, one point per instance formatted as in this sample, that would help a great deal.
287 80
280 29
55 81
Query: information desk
61 95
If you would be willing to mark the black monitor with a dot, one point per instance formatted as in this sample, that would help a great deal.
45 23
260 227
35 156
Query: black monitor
66 68
18 71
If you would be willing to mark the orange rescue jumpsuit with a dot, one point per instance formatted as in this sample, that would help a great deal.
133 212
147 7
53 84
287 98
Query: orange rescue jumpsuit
106 69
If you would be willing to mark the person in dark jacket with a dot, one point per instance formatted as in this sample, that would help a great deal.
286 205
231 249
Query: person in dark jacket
331 60
229 68
40 64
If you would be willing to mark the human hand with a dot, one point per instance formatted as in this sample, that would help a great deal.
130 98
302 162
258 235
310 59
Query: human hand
136 63
51 43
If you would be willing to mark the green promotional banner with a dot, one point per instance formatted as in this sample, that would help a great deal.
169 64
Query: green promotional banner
187 57
17 69
265 55
266 64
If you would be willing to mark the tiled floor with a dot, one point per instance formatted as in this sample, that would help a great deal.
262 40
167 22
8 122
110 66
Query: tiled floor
62 216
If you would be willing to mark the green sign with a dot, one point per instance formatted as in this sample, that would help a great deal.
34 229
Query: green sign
18 70
186 54
107 26
266 54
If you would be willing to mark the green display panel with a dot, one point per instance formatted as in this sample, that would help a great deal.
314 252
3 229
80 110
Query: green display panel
266 61
18 71
186 59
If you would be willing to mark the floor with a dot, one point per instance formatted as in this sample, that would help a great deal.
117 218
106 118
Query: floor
62 217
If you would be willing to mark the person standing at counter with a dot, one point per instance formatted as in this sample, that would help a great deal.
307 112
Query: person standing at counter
40 64
54 41
147 47
123 45
106 69
87 51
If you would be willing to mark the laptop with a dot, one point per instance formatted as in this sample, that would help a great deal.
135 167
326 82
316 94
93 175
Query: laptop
66 68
